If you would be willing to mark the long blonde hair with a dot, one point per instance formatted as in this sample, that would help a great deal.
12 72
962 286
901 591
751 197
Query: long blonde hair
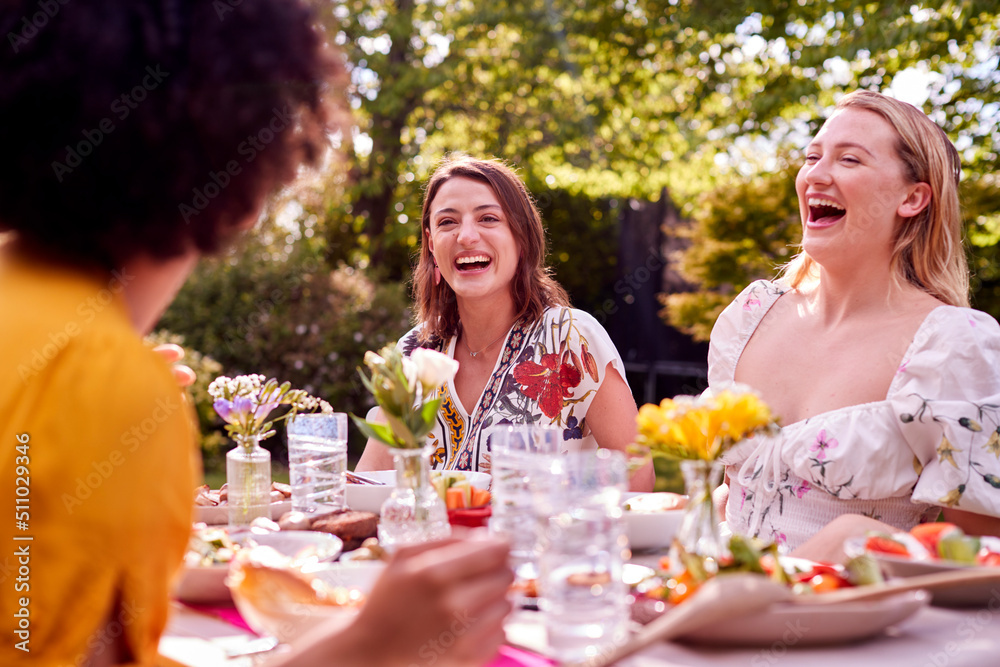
927 248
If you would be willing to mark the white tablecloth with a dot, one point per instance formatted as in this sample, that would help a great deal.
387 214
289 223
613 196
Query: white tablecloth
933 637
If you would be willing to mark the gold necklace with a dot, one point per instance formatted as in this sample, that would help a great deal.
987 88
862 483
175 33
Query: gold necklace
474 354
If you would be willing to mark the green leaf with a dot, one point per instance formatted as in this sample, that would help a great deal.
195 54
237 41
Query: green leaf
380 432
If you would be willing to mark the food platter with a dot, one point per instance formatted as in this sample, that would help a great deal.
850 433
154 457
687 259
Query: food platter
799 624
960 595
217 515
206 584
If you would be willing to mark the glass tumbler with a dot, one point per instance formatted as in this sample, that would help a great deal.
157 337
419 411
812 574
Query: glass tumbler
520 459
583 599
317 460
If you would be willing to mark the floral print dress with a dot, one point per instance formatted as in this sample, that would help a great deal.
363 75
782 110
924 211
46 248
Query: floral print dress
547 373
933 442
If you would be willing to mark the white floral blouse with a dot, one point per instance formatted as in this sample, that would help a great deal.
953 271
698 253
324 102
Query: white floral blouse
933 442
548 373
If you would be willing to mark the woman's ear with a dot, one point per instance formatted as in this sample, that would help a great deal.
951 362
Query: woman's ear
917 199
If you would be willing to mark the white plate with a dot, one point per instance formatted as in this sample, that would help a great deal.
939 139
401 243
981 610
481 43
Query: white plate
207 585
369 497
215 515
650 529
801 624
959 595
289 621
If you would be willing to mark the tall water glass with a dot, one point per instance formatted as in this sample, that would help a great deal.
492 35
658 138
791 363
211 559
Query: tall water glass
519 455
583 599
317 460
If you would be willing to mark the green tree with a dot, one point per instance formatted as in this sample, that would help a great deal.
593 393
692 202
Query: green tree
785 65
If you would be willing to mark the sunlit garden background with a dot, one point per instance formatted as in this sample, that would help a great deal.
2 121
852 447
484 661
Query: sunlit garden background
660 139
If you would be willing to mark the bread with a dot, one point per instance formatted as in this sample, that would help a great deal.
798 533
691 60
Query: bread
351 526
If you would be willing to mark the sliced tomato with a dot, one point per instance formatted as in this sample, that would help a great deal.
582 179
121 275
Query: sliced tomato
886 545
989 558
929 534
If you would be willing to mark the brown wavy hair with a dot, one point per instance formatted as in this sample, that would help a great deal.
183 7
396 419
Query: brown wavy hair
155 126
533 288
928 250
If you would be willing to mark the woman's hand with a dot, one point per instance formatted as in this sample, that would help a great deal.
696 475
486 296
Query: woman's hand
442 603
173 353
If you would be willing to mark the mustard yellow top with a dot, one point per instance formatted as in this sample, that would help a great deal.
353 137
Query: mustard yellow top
97 467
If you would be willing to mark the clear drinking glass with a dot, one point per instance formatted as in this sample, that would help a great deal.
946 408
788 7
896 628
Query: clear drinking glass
520 454
583 550
317 460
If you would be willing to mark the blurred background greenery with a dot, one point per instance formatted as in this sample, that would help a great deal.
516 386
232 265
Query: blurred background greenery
603 107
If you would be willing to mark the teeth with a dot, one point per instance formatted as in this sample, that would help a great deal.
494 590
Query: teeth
472 260
819 201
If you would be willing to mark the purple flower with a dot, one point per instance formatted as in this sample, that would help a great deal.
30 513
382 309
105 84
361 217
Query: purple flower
233 411
801 489
573 432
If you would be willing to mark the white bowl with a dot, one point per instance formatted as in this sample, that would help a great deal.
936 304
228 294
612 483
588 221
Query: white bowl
207 584
288 621
647 526
369 497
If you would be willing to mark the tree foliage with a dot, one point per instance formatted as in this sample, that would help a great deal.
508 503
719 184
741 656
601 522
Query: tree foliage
600 101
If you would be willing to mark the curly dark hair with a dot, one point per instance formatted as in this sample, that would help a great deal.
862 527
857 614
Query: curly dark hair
155 125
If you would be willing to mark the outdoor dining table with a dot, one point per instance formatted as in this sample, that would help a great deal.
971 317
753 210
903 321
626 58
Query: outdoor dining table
932 637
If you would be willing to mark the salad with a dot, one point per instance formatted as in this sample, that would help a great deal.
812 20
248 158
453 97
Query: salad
937 541
751 556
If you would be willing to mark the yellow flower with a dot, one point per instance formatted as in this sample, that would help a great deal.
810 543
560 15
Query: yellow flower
703 427
945 451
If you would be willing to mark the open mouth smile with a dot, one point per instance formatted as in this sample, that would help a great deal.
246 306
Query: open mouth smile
473 263
824 212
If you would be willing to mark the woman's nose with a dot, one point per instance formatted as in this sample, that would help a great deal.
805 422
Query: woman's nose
468 232
818 171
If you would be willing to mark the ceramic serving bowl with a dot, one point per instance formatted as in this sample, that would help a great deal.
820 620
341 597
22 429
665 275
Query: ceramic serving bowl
652 519
369 497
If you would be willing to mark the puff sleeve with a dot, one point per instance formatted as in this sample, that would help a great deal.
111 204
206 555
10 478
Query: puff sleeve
947 403
735 326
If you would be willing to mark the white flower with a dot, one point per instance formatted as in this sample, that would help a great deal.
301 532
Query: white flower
411 371
433 368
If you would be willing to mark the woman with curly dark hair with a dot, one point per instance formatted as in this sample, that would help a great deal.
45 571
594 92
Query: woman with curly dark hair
138 136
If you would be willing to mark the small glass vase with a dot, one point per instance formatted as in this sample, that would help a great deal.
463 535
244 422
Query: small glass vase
414 513
699 531
248 481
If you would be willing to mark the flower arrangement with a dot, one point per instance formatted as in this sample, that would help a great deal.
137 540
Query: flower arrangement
405 388
246 401
703 427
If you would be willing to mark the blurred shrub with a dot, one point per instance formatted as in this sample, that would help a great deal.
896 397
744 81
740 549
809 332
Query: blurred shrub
288 316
